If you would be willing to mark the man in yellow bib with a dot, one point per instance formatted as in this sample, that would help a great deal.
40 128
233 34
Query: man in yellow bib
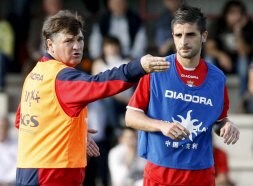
51 115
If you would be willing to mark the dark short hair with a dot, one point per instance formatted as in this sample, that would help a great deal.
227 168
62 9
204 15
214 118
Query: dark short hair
188 14
65 21
111 40
232 4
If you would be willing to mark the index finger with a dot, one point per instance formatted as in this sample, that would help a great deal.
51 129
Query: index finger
183 129
93 148
161 64
158 59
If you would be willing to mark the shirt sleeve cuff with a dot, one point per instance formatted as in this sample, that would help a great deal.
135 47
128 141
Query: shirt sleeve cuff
134 70
134 108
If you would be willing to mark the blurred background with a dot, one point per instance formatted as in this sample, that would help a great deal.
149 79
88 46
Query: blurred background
229 46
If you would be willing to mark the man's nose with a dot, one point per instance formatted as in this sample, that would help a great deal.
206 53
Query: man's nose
183 41
77 45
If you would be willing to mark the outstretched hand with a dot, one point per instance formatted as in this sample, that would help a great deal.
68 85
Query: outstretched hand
92 148
154 64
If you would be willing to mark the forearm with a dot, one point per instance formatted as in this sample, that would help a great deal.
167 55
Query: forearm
138 120
76 88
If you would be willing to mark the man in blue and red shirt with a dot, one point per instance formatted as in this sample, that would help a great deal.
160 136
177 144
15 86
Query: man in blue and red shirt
52 116
176 110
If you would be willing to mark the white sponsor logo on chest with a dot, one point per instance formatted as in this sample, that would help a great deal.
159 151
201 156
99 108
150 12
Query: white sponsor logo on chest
188 98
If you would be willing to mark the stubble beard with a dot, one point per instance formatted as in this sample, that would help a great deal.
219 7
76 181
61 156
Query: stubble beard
189 55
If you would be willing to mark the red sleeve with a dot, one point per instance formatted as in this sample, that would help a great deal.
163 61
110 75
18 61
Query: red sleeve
75 89
220 161
224 113
140 98
17 119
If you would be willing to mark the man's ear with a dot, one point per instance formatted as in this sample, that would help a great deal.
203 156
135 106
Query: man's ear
50 45
204 36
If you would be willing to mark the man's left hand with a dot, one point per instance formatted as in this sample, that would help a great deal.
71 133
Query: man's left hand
92 148
229 132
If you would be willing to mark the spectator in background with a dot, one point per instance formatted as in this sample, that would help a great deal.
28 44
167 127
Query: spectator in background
112 57
123 23
8 155
221 168
106 115
97 167
93 7
35 43
225 31
230 42
125 166
163 36
6 48
19 15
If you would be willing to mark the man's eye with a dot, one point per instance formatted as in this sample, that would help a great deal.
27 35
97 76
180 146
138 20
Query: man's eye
191 34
